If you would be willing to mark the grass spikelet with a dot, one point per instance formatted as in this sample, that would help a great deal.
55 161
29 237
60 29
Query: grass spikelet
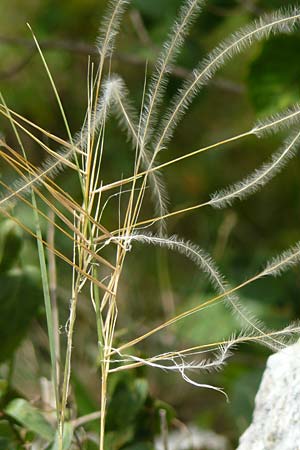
282 21
186 248
286 260
171 48
208 266
109 27
260 177
181 363
277 122
128 119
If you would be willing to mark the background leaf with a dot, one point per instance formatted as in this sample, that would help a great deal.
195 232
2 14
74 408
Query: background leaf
11 240
274 76
20 297
128 399
30 417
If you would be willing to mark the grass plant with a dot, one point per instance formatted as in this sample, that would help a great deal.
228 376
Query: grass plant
82 222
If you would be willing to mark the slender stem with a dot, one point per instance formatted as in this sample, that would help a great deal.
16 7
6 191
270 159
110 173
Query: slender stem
104 375
203 347
173 161
188 313
67 367
53 290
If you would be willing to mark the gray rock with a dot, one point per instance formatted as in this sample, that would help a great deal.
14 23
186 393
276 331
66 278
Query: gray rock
276 419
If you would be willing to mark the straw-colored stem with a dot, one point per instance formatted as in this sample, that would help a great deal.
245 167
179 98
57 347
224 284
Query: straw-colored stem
152 169
67 367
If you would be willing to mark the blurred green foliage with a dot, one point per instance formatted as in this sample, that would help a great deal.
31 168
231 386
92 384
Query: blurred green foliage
259 82
20 294
271 86
24 413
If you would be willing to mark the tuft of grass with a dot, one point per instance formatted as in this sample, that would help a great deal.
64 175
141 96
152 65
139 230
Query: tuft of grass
82 224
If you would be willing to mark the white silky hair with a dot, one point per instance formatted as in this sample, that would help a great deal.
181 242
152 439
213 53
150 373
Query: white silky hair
287 259
128 120
282 262
277 122
158 83
171 48
184 362
179 363
110 25
282 21
260 177
206 264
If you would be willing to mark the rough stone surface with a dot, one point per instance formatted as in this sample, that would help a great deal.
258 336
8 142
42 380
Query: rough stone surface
276 418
